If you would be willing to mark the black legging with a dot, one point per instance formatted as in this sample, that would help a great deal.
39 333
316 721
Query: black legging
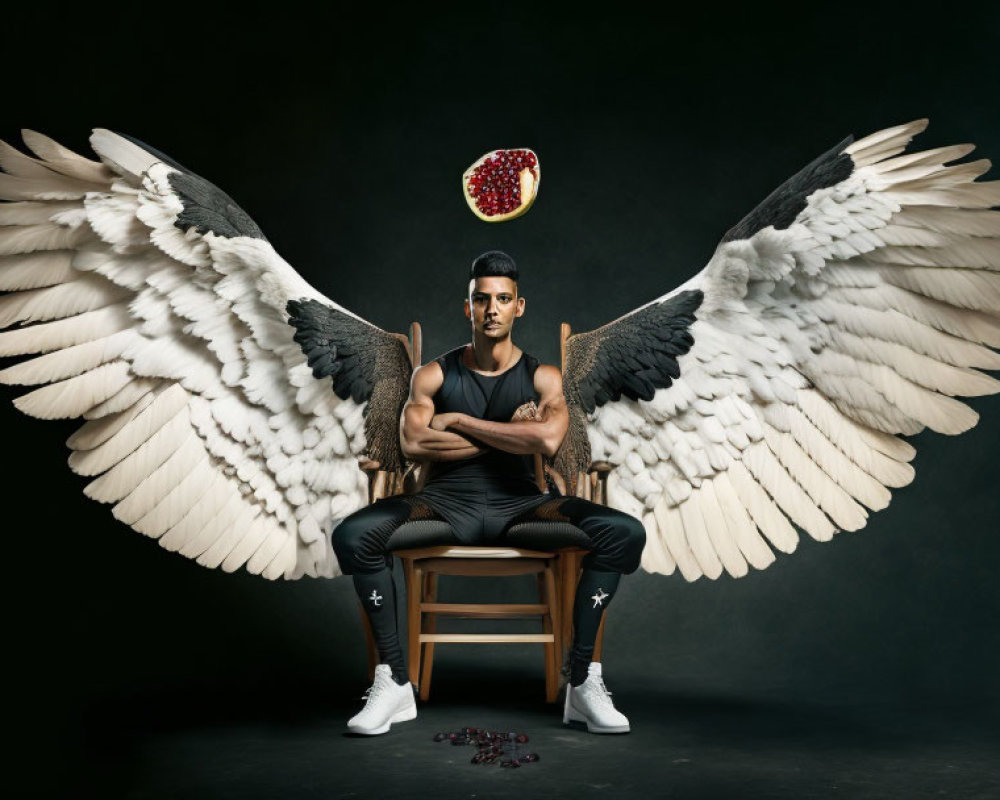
617 539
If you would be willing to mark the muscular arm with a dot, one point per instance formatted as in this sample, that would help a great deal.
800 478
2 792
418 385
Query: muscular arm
419 441
542 435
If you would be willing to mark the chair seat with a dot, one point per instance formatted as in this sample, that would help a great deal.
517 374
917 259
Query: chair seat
534 535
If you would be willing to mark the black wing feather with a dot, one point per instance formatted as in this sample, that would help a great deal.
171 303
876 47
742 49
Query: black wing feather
632 356
365 363
782 206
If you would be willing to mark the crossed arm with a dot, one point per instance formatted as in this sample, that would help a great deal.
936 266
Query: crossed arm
453 436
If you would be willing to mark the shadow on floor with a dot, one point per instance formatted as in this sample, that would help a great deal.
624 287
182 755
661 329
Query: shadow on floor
288 740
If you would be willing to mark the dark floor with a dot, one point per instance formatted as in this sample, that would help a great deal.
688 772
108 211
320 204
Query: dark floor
682 745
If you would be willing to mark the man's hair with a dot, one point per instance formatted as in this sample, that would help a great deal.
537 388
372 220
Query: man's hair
494 263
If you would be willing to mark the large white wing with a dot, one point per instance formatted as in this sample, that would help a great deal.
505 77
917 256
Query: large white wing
167 321
848 309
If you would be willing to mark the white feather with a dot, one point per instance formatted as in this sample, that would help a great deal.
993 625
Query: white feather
216 526
65 332
35 270
286 562
772 476
225 544
175 504
130 436
220 491
698 537
766 515
254 537
166 477
64 160
270 549
97 431
130 394
128 473
673 540
123 156
29 212
74 396
67 362
741 526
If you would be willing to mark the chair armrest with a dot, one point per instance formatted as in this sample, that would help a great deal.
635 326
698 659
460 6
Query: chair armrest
597 480
590 485
378 479
386 483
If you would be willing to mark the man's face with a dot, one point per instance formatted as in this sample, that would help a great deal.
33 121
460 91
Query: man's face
493 305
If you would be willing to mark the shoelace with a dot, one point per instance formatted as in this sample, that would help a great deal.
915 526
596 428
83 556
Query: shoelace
604 695
372 692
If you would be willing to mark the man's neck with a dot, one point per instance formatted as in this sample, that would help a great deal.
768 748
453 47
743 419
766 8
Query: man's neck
493 355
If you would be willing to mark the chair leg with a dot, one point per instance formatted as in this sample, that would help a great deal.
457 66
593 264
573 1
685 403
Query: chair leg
555 607
546 626
561 582
547 586
370 648
413 601
430 624
571 576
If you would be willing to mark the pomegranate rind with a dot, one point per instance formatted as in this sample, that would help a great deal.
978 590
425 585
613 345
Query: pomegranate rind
535 180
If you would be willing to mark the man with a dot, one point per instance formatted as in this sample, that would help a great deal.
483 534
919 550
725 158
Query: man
478 414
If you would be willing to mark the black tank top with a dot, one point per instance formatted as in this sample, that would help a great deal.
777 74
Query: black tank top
489 397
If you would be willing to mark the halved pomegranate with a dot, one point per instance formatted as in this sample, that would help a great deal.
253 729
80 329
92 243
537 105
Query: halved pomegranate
502 184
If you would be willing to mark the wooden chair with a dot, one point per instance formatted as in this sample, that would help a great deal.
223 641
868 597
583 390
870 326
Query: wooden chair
423 565
550 550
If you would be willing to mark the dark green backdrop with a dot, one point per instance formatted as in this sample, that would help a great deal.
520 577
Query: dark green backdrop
345 136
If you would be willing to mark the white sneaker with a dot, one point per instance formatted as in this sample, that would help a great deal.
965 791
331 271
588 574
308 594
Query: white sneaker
590 702
387 702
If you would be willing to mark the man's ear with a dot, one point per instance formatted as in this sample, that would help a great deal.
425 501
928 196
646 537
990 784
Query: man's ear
520 307
468 309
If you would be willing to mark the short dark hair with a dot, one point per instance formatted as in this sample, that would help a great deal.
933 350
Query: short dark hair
494 263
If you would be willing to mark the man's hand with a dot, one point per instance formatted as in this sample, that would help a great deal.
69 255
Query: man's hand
526 412
441 422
